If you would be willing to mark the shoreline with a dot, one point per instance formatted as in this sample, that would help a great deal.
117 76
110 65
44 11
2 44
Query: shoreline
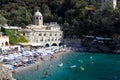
39 62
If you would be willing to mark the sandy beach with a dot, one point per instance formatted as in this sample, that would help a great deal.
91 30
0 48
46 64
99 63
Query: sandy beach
39 62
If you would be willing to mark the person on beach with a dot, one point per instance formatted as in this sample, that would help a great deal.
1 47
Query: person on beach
42 59
52 57
14 72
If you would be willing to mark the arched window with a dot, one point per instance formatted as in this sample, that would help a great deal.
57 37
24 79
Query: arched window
40 34
36 41
45 34
2 44
40 18
52 39
50 34
60 34
41 39
6 43
48 39
55 34
37 18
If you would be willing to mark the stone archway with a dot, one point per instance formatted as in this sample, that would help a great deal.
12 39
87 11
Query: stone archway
60 44
54 44
6 43
2 44
47 45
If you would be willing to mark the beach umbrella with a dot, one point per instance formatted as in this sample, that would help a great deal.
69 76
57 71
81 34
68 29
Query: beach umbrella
25 60
49 52
35 53
28 53
15 55
11 56
25 53
7 58
40 51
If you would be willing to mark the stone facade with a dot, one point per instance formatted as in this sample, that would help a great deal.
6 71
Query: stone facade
108 3
49 34
4 40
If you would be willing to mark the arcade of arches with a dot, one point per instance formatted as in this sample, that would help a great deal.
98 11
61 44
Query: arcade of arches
4 44
54 44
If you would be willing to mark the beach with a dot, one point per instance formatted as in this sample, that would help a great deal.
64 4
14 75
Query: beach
40 62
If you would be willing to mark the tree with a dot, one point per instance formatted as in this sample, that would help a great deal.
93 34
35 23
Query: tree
3 20
20 17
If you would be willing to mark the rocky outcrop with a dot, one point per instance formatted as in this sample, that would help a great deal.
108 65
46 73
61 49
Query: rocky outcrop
5 74
99 48
95 45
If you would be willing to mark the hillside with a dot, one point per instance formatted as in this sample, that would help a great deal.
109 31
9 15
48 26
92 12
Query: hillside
70 14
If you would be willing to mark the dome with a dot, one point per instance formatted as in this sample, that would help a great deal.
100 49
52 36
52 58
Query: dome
37 13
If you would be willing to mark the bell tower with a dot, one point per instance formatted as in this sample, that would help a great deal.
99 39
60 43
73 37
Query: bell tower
38 18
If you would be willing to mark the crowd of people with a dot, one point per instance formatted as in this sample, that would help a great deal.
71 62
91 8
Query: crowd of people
25 58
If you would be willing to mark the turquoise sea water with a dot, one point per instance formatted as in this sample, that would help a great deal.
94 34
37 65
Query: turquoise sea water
89 66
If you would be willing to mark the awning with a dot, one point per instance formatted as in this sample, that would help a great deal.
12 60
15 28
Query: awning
25 44
36 44
31 44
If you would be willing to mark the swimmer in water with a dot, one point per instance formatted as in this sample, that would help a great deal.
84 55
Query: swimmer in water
37 67
80 61
46 74
50 66
91 57
68 62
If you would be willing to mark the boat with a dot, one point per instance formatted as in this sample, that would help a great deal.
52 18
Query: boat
60 65
117 51
82 68
73 66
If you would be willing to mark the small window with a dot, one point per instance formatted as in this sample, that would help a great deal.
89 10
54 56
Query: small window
45 34
59 39
40 34
23 34
55 34
41 40
52 39
36 41
36 17
48 39
50 34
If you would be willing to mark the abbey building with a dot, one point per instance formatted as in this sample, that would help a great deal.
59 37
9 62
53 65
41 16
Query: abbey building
48 34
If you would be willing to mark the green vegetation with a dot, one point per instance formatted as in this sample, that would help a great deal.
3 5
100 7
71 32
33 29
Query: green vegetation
3 20
70 14
14 36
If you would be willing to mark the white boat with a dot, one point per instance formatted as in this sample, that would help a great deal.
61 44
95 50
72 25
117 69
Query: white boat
60 65
73 66
117 51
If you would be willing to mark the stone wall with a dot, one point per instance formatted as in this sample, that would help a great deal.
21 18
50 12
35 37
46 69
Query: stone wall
72 42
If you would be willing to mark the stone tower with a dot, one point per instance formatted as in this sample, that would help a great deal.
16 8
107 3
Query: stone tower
38 19
108 3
